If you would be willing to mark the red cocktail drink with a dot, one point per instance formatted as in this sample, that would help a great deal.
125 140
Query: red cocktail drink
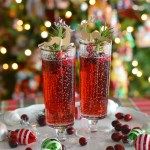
94 81
58 70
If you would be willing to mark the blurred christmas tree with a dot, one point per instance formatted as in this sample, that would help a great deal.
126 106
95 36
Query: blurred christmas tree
25 23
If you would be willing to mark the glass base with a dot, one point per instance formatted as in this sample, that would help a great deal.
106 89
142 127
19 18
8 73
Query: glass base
55 126
94 128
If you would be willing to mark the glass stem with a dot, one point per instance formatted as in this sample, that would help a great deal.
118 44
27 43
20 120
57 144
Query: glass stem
61 133
93 125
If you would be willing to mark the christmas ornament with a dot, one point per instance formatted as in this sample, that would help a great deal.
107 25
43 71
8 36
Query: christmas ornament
134 134
142 142
51 144
10 118
3 131
25 136
146 127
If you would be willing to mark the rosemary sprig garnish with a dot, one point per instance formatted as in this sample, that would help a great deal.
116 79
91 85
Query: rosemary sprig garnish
104 32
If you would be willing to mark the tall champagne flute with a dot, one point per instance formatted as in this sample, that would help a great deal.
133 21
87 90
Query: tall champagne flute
58 70
94 81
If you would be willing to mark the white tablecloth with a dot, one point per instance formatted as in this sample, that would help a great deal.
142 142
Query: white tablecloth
98 141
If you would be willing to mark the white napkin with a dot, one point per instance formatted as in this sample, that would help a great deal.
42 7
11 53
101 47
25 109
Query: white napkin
12 117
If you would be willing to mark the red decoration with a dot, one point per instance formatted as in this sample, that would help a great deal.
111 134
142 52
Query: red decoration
25 136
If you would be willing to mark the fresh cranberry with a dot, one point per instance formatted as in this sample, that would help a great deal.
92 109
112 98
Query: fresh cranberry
13 143
89 49
119 147
70 130
24 117
109 148
114 123
28 148
118 127
60 55
116 136
125 139
41 120
82 141
127 117
119 115
125 129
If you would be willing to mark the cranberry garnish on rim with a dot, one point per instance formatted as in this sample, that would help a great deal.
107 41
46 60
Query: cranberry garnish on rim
82 141
89 49
118 127
119 147
70 130
125 129
116 136
24 117
119 115
110 148
114 123
60 55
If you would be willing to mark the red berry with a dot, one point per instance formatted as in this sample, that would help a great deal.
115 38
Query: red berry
116 136
41 120
125 139
119 115
125 129
109 148
82 141
119 147
28 148
127 117
70 130
114 123
60 55
24 117
89 49
118 127
13 143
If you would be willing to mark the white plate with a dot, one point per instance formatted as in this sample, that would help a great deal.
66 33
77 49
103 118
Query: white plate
100 143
